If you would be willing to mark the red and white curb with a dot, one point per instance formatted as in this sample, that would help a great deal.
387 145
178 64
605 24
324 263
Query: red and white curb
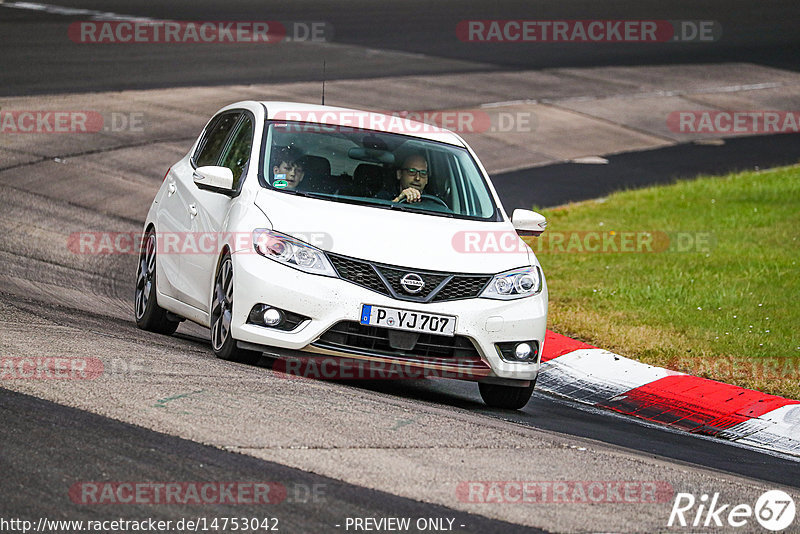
602 379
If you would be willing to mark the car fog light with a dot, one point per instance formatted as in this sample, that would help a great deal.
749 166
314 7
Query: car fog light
522 351
519 351
272 317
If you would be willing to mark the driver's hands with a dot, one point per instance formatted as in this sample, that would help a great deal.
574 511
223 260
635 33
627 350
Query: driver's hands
410 194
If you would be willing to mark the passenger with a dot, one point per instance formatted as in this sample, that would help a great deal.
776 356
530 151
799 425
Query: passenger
287 168
412 177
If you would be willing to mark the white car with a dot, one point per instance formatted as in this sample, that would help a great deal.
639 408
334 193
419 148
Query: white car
348 235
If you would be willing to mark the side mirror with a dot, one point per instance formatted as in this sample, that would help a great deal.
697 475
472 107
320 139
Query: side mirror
213 178
527 222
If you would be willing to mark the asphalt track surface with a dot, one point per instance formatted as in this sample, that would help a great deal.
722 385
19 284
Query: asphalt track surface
78 446
46 447
567 416
558 184
370 39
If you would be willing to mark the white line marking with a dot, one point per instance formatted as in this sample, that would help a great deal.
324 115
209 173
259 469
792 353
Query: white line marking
72 11
590 160
645 94
508 103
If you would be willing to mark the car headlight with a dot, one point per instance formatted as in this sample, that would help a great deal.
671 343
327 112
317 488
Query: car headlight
292 252
514 284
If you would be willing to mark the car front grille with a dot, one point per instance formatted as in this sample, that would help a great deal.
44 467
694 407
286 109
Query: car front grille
353 337
462 287
385 279
359 272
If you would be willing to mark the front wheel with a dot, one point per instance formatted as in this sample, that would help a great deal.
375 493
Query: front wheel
506 397
149 315
222 343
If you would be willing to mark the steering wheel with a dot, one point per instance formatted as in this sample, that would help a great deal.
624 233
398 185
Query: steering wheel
425 196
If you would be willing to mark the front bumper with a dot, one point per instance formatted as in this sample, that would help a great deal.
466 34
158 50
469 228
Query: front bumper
328 301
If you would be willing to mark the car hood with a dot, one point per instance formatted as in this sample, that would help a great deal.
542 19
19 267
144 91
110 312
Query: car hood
405 239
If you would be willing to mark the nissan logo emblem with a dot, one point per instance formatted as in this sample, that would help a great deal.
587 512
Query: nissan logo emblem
412 283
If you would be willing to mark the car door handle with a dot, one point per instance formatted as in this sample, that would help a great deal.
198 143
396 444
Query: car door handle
171 188
192 210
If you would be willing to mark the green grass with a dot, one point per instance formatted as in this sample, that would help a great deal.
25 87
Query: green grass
727 309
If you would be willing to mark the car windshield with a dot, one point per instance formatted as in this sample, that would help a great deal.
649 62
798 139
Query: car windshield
346 164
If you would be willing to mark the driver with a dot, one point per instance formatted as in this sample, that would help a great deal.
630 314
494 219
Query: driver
412 177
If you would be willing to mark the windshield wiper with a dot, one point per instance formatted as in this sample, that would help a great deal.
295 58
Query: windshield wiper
407 209
351 200
307 194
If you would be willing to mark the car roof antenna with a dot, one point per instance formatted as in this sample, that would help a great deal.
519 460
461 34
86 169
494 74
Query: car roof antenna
323 82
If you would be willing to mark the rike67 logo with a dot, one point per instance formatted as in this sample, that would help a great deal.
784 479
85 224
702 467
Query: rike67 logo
774 510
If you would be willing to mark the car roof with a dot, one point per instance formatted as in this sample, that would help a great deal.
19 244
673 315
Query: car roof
336 116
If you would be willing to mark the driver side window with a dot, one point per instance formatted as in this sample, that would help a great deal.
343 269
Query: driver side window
214 141
236 156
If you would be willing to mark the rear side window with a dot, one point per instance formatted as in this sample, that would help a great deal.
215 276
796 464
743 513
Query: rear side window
237 154
214 140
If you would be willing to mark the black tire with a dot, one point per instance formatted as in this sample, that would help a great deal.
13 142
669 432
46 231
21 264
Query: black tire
222 343
506 397
149 315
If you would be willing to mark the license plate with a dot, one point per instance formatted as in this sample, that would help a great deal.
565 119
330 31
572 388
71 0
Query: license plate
411 321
